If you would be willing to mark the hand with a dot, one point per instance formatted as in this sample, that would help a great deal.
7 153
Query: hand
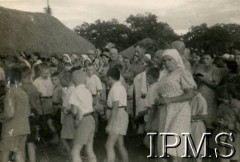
108 128
163 100
143 95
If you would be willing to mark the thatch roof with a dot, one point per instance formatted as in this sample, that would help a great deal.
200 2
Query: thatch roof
37 32
130 51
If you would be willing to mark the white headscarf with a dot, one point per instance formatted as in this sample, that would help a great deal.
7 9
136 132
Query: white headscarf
175 55
68 57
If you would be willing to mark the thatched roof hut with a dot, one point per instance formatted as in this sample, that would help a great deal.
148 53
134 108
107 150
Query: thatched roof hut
130 51
37 32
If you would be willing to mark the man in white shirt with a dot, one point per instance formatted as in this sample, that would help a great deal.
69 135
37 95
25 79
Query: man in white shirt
81 101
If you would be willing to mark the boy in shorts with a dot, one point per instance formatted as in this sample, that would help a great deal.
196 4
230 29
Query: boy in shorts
81 101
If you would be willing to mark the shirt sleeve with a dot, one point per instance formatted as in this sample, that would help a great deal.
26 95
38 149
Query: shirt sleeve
202 105
98 84
115 95
186 80
9 105
74 100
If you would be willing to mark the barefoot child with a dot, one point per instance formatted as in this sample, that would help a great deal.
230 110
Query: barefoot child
68 130
117 117
94 85
15 123
34 102
82 109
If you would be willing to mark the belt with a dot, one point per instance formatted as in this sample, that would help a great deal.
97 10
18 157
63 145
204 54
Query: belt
193 121
120 107
88 114
46 97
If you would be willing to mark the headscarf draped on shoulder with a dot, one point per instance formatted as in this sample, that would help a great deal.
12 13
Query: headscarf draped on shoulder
175 55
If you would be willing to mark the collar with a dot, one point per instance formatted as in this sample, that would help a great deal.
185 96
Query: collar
81 86
117 83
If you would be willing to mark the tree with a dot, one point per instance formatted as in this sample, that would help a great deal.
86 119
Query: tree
102 32
218 39
147 25
48 9
138 27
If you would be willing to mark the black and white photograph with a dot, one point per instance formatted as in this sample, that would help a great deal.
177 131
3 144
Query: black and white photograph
119 81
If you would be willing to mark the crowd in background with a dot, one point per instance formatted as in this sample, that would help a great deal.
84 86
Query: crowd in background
168 90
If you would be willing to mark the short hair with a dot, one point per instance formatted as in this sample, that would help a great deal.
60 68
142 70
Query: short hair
55 74
209 54
26 71
118 66
37 54
13 75
153 72
43 66
66 75
114 73
75 68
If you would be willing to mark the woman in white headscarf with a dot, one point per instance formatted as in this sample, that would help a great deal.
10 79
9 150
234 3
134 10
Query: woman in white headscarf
175 90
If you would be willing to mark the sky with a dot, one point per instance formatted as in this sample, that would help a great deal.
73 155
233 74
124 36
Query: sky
179 14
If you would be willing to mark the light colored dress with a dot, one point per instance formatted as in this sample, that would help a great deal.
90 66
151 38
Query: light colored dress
210 94
198 107
177 115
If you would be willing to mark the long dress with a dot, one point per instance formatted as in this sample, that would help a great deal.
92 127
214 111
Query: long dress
177 115
210 94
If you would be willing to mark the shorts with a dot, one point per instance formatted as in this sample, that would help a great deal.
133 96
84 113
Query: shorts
14 143
85 131
120 124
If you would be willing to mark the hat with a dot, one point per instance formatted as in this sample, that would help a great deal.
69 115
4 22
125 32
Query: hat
148 56
226 56
105 54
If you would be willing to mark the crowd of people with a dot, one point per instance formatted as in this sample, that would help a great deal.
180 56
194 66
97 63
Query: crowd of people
66 97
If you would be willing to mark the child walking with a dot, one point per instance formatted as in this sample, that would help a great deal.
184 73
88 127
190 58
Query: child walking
15 123
82 109
117 117
68 130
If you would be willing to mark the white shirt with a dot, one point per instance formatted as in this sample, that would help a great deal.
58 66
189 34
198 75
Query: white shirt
66 97
117 93
94 84
44 86
81 97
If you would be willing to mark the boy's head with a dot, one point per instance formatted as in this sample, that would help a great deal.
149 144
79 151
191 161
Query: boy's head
78 77
13 76
44 70
113 75
65 78
53 69
152 75
119 67
55 78
90 69
26 72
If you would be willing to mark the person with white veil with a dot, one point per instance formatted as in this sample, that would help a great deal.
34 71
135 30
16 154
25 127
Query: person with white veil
175 91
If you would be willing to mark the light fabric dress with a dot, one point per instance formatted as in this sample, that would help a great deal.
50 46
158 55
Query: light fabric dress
176 115
199 107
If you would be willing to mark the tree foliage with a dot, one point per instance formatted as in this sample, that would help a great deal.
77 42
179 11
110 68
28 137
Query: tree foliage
218 39
137 27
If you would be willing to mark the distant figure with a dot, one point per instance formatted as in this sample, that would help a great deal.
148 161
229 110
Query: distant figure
180 47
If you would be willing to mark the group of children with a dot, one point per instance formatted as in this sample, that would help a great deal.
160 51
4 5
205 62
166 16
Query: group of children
71 99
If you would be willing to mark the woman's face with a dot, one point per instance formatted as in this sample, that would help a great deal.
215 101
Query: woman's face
237 59
105 59
126 62
169 63
207 60
120 58
65 59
